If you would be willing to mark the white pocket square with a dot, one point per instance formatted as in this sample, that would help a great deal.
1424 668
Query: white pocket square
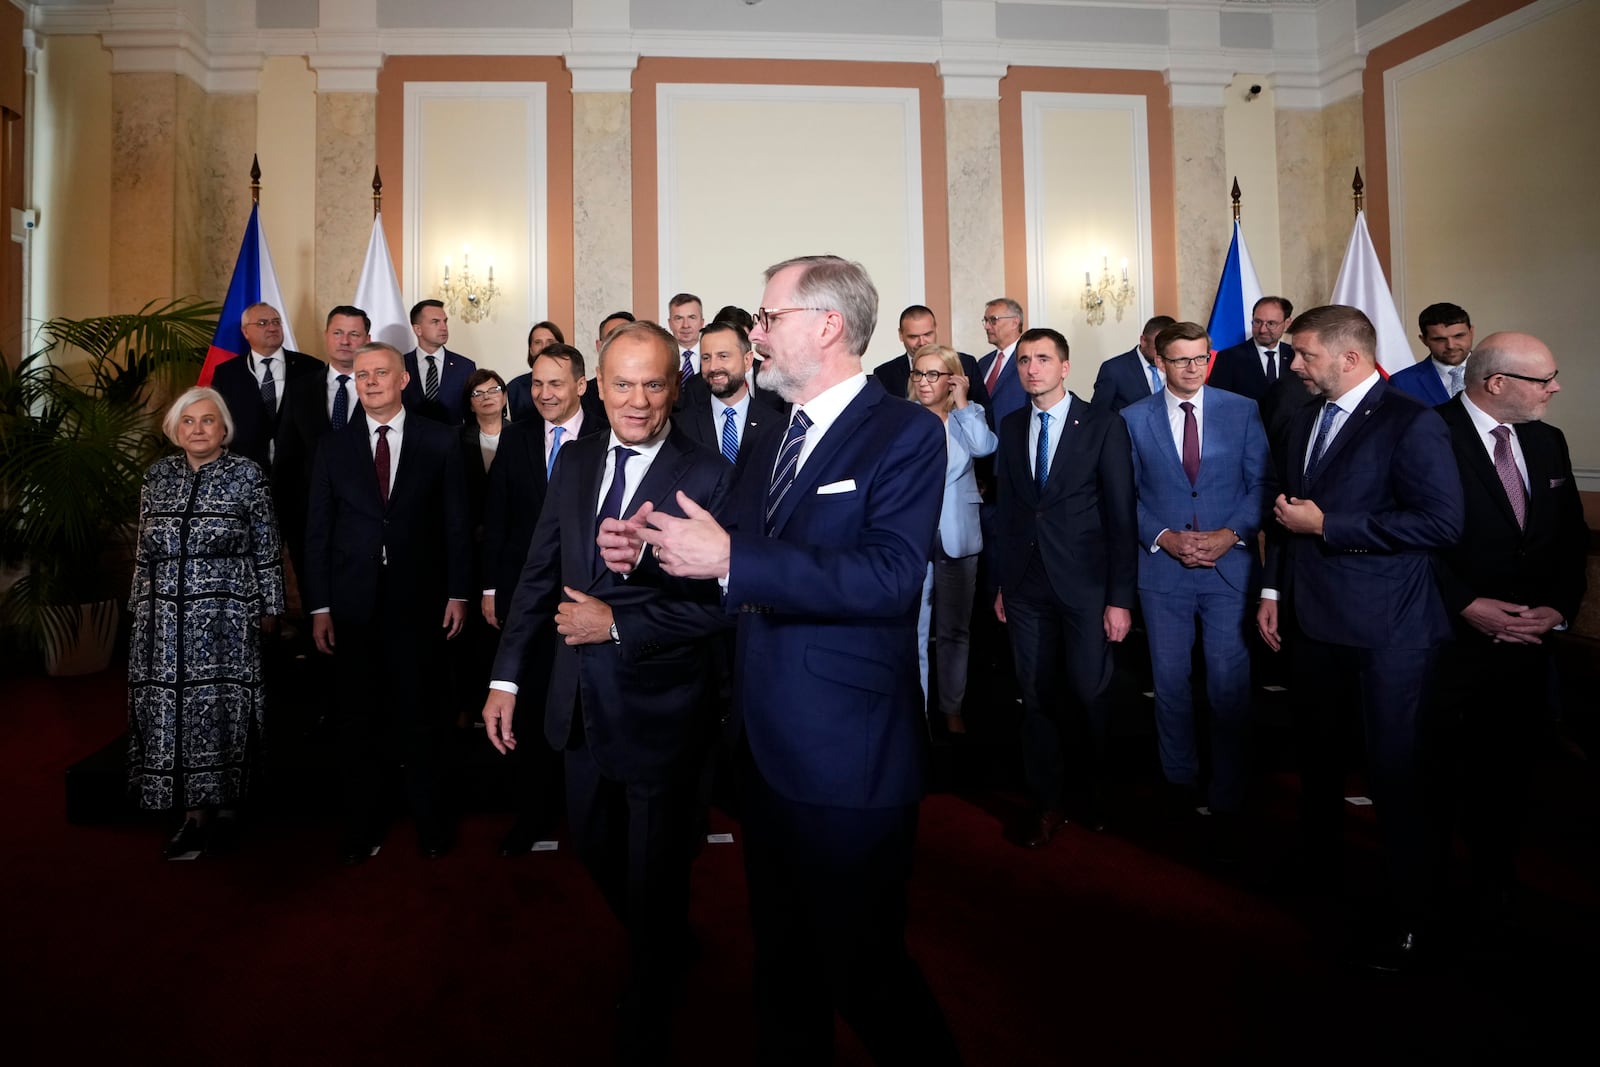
846 486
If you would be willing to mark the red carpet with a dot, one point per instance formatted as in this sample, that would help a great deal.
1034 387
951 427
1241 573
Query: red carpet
1102 946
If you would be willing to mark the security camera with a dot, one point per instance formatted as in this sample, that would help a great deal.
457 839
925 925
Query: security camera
1255 91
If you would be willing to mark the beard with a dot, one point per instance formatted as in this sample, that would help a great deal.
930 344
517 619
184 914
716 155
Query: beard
790 378
729 385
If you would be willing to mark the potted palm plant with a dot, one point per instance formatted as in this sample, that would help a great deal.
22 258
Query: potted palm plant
79 423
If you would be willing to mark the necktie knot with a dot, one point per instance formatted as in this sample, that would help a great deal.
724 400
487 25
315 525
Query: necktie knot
342 379
555 446
1188 408
1458 381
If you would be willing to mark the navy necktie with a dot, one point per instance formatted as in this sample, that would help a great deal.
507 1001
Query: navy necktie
1329 411
431 388
688 369
788 463
1041 457
1272 364
269 388
611 506
341 404
730 435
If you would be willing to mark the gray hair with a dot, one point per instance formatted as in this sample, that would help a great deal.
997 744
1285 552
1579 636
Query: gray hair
169 422
1011 306
836 284
646 330
245 316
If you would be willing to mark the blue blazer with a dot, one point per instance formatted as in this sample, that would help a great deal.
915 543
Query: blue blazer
1421 380
1008 395
1391 497
967 435
644 701
1122 380
826 675
451 407
1232 490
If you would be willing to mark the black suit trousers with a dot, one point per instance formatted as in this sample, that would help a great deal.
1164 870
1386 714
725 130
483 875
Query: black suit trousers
1390 689
636 839
828 907
390 709
1064 665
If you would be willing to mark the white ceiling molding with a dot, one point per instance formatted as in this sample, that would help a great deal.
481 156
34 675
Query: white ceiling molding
1404 19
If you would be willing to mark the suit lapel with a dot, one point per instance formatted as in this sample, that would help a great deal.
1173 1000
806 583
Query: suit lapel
1354 426
1066 452
1161 430
844 428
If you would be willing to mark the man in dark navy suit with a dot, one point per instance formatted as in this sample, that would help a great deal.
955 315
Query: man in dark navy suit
718 408
1251 368
386 584
564 409
1516 576
627 698
919 328
1447 334
255 383
1066 537
438 384
1002 325
822 561
1135 374
315 405
1370 494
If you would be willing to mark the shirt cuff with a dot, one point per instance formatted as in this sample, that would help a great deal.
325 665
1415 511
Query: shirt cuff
321 611
488 592
1155 546
504 687
1269 594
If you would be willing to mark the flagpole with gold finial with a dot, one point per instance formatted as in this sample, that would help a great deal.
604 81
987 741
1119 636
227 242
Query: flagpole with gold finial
1237 195
255 179
377 193
1359 189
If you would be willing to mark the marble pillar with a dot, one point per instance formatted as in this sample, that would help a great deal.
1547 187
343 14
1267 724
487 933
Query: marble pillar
1318 152
602 224
224 172
977 228
1204 210
346 150
144 176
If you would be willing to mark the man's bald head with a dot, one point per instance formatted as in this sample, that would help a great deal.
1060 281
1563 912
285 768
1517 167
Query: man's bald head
1512 376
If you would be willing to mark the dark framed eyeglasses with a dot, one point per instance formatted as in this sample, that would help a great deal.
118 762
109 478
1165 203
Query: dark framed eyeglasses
990 320
262 324
493 390
1543 383
764 316
1187 361
929 375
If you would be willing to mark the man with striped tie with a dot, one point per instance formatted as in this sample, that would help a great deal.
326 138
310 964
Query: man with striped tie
684 319
822 561
438 387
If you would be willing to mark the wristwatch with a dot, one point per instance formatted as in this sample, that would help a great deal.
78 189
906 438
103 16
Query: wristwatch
614 637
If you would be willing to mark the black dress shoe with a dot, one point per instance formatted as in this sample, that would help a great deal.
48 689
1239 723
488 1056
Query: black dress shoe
520 839
1399 954
354 851
191 837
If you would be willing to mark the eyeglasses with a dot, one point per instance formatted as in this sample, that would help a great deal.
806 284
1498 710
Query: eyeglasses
929 375
477 394
764 316
1187 361
1543 383
262 324
990 320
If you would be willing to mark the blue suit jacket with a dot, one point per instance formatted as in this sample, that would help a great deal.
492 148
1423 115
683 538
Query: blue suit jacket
1232 490
827 687
967 435
1008 395
1122 380
1421 381
1391 497
644 700
451 407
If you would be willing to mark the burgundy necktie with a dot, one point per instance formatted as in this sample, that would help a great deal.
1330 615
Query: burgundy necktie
1505 465
380 460
994 372
1191 443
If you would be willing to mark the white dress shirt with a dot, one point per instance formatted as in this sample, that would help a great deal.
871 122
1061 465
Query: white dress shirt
634 469
1058 414
824 410
258 370
351 400
741 411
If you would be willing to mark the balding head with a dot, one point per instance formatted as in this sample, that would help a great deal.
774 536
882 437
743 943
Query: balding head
1511 376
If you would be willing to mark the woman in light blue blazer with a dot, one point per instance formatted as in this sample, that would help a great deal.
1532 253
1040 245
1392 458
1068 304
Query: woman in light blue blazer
938 384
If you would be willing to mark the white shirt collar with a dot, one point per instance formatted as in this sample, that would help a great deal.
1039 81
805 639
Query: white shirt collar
1484 422
649 448
396 424
1352 398
1173 401
825 408
257 357
742 405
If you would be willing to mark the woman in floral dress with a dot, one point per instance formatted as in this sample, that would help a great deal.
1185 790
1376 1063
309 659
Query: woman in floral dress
208 581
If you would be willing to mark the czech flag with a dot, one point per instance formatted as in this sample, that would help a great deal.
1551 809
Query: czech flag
254 282
1236 297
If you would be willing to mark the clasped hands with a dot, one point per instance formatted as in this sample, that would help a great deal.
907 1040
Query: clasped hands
695 546
1197 548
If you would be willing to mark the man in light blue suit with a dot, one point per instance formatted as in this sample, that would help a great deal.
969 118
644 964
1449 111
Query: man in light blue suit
822 559
1200 464
1447 333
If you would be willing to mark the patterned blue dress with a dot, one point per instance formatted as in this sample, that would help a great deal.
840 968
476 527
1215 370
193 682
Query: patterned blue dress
208 566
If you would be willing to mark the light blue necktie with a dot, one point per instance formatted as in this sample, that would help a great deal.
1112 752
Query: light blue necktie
730 436
1155 377
1329 411
1041 459
555 446
1458 379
